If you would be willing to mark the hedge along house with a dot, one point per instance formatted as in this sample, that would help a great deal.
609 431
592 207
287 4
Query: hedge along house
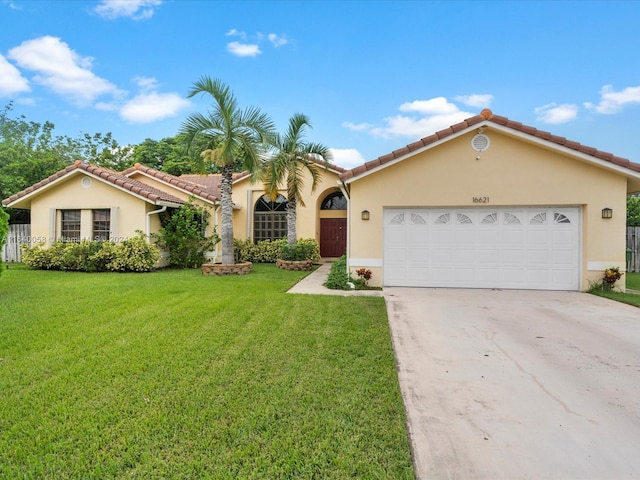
490 203
86 202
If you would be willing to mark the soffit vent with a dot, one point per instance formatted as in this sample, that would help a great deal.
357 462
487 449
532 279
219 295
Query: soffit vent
480 142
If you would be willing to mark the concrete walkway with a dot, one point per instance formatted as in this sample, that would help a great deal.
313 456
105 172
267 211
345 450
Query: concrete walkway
314 284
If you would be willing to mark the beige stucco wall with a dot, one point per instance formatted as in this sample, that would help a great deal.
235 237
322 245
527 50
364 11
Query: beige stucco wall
128 212
510 173
308 217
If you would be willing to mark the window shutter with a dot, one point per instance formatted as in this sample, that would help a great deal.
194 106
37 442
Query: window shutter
52 226
114 232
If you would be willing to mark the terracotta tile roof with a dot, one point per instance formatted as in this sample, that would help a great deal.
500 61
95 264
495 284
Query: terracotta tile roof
152 194
177 182
331 166
487 116
211 181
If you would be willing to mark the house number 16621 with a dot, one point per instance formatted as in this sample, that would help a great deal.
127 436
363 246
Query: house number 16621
480 199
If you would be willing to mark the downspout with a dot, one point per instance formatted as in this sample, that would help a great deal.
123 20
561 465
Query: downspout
148 223
345 192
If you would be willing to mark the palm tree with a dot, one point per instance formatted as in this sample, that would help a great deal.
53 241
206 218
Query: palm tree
291 157
222 136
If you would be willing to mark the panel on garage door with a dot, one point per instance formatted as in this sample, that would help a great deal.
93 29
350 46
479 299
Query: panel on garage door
528 248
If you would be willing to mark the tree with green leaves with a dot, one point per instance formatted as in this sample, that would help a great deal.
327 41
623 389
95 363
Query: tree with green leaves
183 234
30 152
168 155
291 157
633 211
223 135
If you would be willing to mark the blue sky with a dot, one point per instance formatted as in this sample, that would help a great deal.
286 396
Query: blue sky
372 76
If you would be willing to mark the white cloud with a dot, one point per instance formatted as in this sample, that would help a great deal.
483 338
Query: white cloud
250 44
411 127
476 100
433 106
243 49
557 114
134 9
146 84
62 70
346 157
424 117
152 106
357 127
277 40
612 101
234 32
11 80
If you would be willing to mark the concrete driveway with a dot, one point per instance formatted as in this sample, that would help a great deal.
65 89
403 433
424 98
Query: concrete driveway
518 384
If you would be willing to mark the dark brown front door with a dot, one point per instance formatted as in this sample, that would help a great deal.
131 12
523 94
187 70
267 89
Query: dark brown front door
333 237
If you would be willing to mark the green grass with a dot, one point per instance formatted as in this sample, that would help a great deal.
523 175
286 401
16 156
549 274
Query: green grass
176 375
632 281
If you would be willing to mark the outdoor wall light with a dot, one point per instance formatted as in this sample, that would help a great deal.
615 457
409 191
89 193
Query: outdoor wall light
607 213
365 214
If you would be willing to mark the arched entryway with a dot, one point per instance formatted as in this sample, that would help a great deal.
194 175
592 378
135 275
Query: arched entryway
333 225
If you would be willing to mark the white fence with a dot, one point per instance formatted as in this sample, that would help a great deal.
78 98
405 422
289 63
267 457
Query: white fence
18 234
633 249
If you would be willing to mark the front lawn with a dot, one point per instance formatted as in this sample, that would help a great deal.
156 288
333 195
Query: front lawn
176 375
632 281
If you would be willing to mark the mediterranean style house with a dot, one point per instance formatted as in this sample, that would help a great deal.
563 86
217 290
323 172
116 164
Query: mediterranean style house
84 201
485 203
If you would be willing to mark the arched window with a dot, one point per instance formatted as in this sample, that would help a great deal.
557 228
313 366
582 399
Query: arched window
334 201
270 219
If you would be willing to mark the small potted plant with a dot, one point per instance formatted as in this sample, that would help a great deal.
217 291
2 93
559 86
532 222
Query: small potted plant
610 277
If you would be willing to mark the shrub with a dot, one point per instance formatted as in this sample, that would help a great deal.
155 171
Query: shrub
135 255
338 276
78 256
40 258
183 234
304 249
266 251
132 255
101 260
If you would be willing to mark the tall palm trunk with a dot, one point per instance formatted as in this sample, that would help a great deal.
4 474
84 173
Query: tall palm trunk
291 222
227 215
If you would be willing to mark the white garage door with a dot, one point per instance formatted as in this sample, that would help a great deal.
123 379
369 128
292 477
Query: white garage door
527 248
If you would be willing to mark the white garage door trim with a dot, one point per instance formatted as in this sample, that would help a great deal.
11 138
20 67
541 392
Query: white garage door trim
501 247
